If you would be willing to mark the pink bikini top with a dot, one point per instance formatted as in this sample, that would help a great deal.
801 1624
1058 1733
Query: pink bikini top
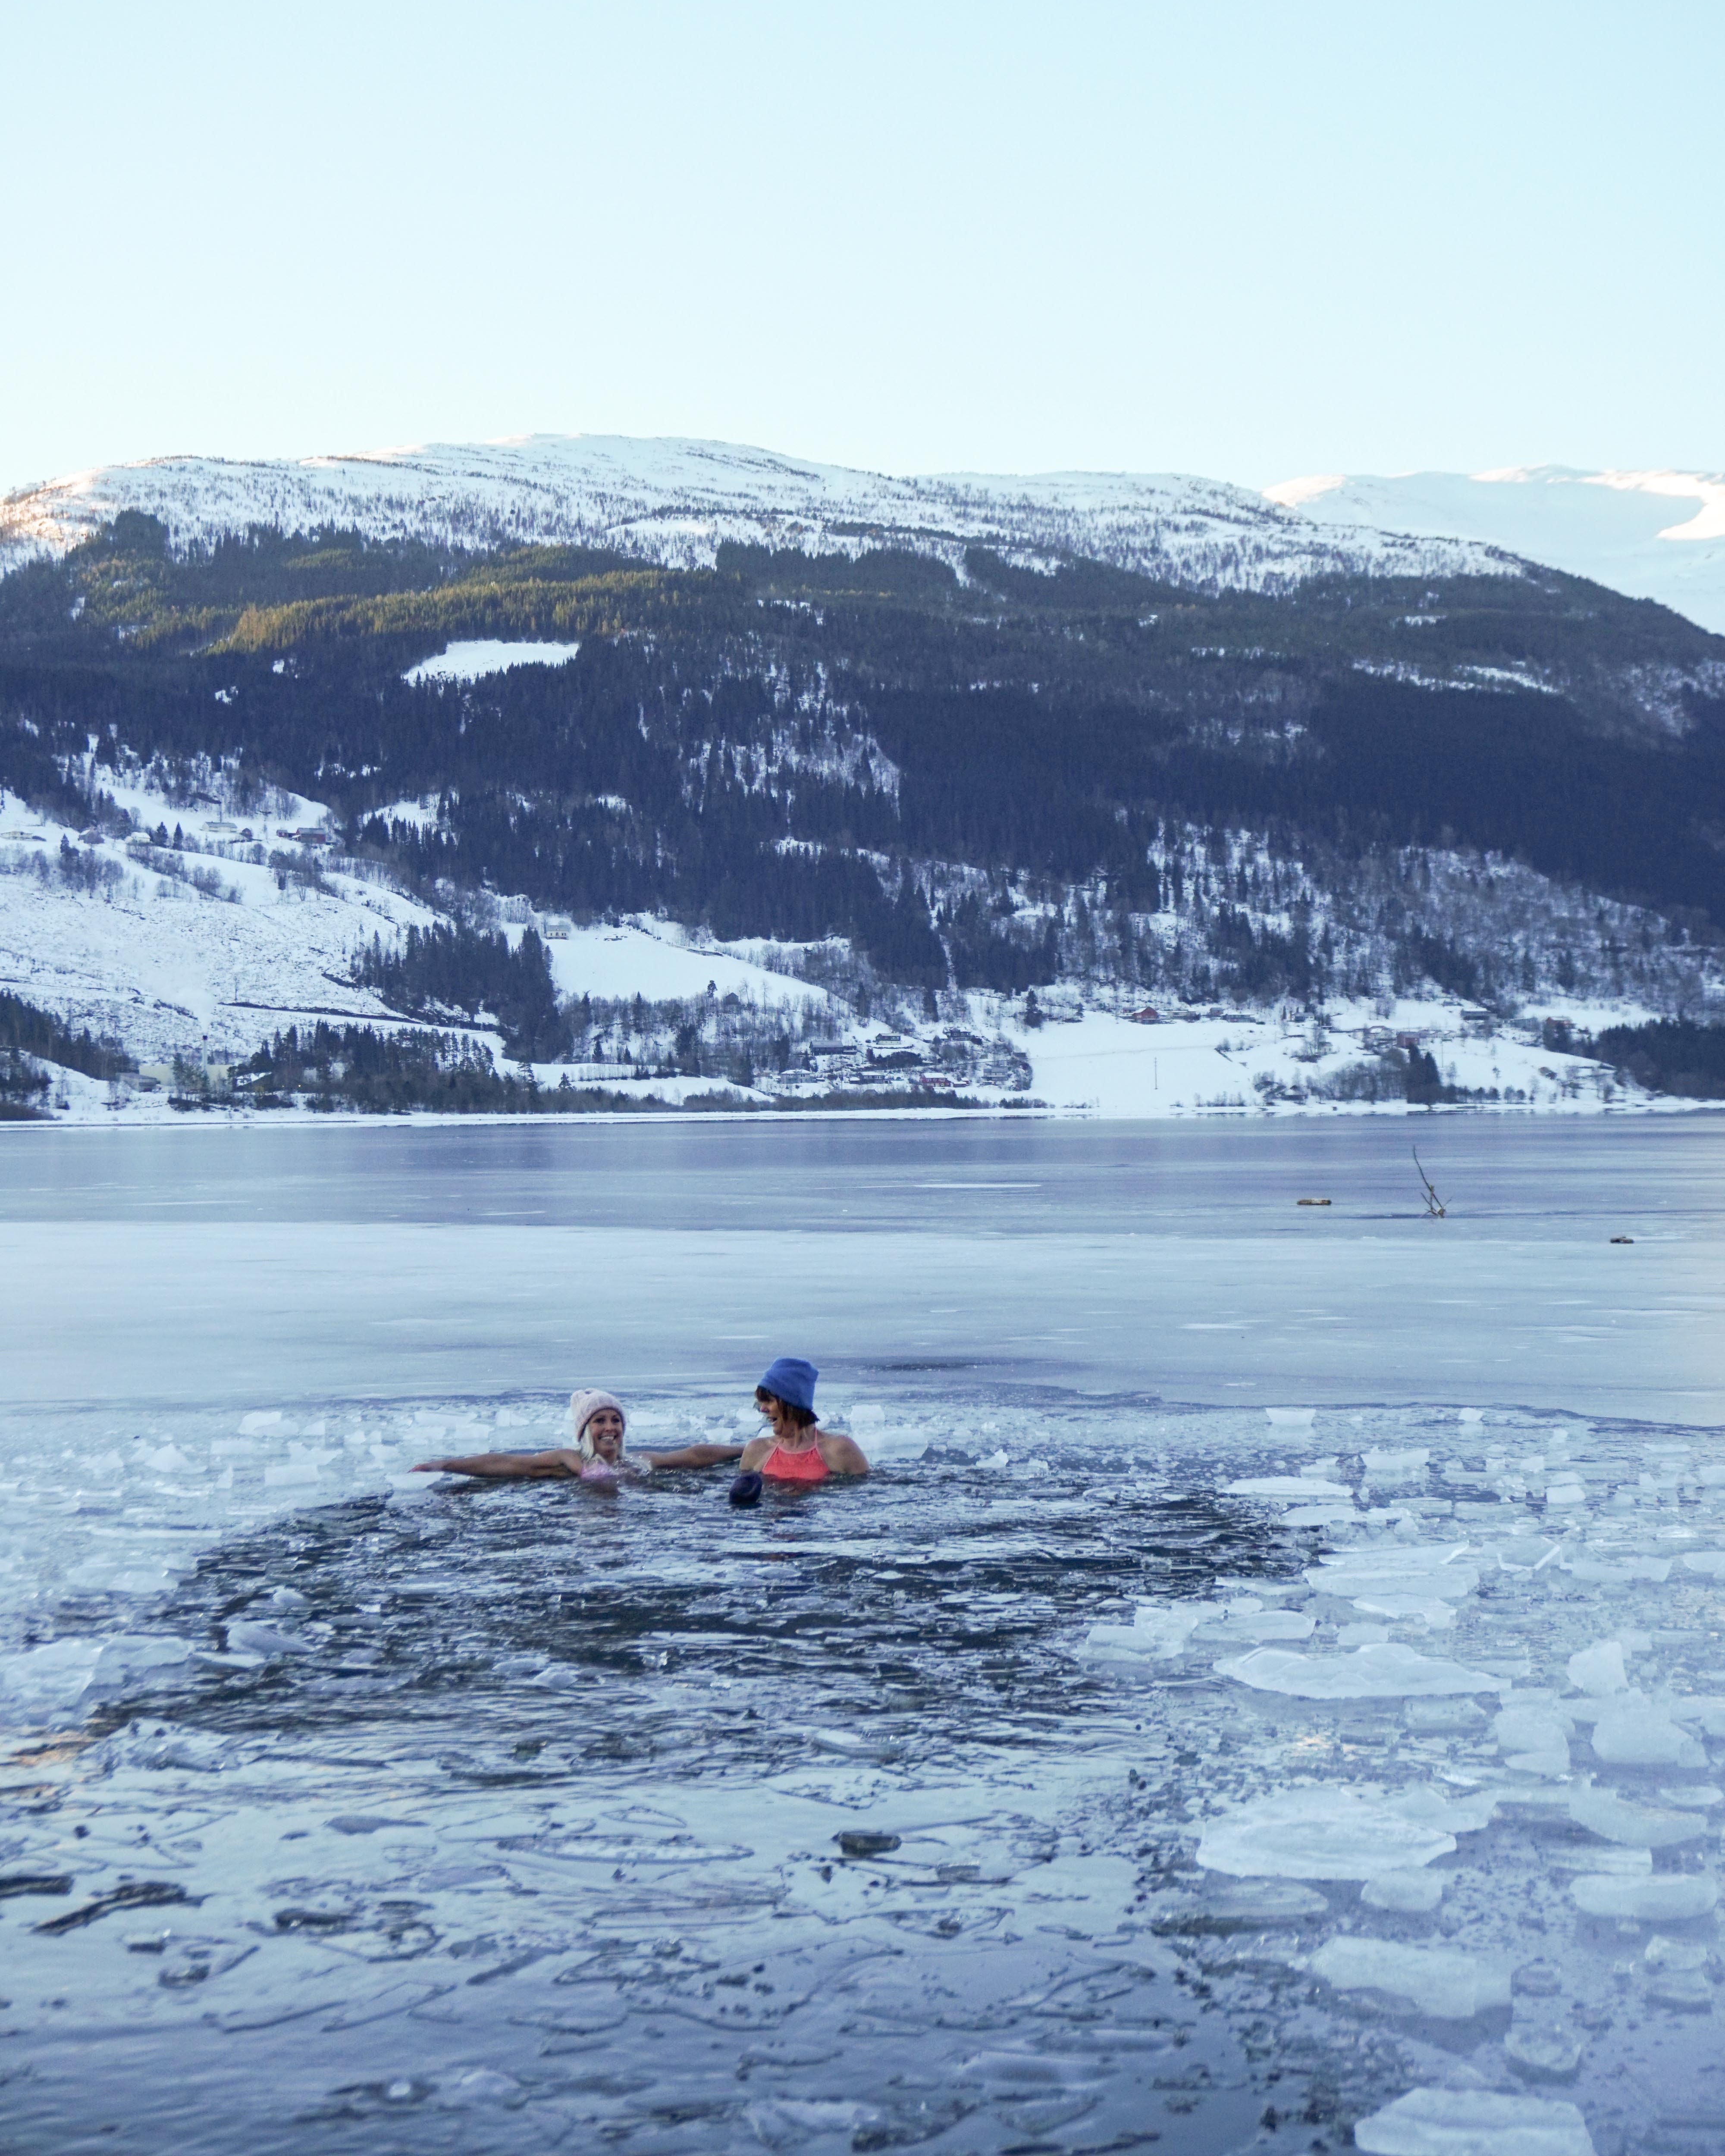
805 1464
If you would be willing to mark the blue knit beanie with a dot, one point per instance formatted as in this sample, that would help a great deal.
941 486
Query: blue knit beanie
792 1380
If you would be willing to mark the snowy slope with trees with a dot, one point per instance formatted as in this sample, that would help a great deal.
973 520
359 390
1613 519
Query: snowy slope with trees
675 501
847 808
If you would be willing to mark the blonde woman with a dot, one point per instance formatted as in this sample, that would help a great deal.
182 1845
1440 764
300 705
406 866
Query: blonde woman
596 1458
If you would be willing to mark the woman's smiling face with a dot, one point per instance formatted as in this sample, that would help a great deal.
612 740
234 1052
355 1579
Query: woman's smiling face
605 1429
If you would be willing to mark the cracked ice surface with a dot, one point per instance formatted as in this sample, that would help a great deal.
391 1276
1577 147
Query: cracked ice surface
343 1809
525 1805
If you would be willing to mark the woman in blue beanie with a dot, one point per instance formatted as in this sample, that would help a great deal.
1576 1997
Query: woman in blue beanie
796 1449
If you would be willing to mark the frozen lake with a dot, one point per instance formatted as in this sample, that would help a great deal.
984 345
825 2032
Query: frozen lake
344 1809
259 1264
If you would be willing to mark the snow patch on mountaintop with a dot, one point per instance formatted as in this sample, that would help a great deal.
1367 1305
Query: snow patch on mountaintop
1614 527
675 501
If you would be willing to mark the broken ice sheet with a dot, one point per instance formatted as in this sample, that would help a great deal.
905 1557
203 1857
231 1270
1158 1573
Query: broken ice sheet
1407 1893
1637 1734
1329 1832
1432 1569
1438 2122
1441 1981
1383 1669
1656 1898
1639 1826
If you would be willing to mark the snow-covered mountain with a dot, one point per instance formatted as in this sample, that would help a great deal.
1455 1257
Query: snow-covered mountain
674 501
1656 535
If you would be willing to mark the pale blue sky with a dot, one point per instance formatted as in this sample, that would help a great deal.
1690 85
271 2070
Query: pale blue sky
1247 240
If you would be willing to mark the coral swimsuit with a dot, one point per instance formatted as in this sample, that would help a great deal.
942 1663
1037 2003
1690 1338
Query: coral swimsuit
803 1465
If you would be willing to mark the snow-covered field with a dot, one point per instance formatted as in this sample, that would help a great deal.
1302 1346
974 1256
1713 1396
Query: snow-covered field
1112 1067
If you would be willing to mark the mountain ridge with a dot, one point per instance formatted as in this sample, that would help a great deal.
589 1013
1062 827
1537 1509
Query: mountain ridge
674 500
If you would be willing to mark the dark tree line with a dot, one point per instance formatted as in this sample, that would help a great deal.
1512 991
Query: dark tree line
1670 1056
443 971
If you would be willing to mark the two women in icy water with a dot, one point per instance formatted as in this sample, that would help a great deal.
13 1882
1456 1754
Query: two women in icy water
796 1450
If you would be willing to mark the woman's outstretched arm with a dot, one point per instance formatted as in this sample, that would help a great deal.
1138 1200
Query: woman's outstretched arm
559 1462
696 1455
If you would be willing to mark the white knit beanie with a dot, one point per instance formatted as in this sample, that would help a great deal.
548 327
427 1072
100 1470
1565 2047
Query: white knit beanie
583 1406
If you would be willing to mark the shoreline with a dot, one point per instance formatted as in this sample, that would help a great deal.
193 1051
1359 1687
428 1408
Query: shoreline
428 1119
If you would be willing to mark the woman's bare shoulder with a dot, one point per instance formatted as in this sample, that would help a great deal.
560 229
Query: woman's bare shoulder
841 1453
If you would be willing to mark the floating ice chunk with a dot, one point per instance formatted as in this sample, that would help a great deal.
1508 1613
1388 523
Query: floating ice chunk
1318 1515
1296 1486
1388 1467
266 1419
1408 1893
480 2086
248 1636
1433 2122
1657 1569
1327 1833
1361 1635
1294 1417
1238 1626
1387 1670
1237 1907
1424 1568
1407 1609
902 1442
995 1459
1543 2051
1609 1859
1533 1739
1664 1897
1567 1491
1712 1562
1644 1736
1698 1796
1160 1631
1637 1825
1661 1952
65 1671
1599 1671
1449 1985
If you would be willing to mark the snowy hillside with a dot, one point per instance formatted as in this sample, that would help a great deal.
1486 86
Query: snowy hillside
1656 535
674 501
